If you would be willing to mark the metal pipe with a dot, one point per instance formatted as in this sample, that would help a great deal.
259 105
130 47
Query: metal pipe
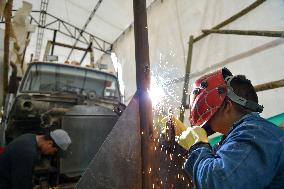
269 85
186 78
233 18
8 15
247 32
143 85
40 33
85 26
78 29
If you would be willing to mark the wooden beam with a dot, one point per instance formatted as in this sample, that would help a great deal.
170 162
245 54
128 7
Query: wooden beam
247 32
69 46
233 18
186 78
8 15
269 85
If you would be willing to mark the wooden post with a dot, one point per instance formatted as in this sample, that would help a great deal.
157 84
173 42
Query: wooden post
247 32
8 15
143 85
269 85
186 78
233 18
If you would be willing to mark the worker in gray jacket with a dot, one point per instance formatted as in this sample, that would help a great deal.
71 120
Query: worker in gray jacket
20 156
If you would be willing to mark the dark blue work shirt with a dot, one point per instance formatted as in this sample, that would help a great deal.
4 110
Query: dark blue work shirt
17 163
250 157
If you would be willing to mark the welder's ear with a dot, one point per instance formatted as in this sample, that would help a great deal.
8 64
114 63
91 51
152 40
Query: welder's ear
50 142
228 105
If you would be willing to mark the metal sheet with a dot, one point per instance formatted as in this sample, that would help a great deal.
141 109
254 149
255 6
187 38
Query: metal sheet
117 164
88 127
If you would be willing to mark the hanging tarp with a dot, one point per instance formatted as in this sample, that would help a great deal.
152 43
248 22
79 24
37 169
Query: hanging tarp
170 24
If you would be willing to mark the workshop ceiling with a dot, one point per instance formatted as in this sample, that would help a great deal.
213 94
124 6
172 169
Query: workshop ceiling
111 17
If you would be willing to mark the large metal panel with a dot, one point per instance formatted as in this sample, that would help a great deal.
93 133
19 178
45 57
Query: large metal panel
88 127
117 164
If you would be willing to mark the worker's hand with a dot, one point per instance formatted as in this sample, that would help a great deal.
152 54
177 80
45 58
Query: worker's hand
178 125
172 128
191 136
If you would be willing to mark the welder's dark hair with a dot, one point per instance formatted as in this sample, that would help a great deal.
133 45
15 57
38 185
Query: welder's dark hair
47 136
243 88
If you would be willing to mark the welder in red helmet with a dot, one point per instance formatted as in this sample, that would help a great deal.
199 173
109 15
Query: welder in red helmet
250 154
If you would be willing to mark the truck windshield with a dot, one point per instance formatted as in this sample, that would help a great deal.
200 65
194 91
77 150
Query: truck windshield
51 78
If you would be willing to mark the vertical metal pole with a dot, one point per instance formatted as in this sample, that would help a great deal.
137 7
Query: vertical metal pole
186 78
53 44
8 15
143 85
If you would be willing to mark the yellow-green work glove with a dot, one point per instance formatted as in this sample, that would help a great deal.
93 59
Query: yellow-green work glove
191 136
179 126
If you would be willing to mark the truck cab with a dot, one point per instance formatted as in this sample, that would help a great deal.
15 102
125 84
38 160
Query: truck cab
83 101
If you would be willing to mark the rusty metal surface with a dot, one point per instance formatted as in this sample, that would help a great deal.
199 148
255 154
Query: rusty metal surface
143 75
169 160
170 174
117 164
88 127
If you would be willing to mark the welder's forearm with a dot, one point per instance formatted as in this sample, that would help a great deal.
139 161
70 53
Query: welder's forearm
196 153
199 167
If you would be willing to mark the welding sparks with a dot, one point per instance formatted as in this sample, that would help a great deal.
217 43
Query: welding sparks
156 92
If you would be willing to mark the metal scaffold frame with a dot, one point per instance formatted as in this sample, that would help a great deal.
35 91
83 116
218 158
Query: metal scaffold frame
66 29
72 31
85 26
40 33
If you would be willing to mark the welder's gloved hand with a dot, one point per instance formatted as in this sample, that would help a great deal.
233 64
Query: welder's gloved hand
191 136
171 122
178 125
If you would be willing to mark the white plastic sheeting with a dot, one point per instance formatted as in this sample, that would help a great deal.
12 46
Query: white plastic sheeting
170 24
110 20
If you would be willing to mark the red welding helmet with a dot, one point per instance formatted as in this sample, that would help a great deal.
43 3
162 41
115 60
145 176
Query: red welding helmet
207 96
209 93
